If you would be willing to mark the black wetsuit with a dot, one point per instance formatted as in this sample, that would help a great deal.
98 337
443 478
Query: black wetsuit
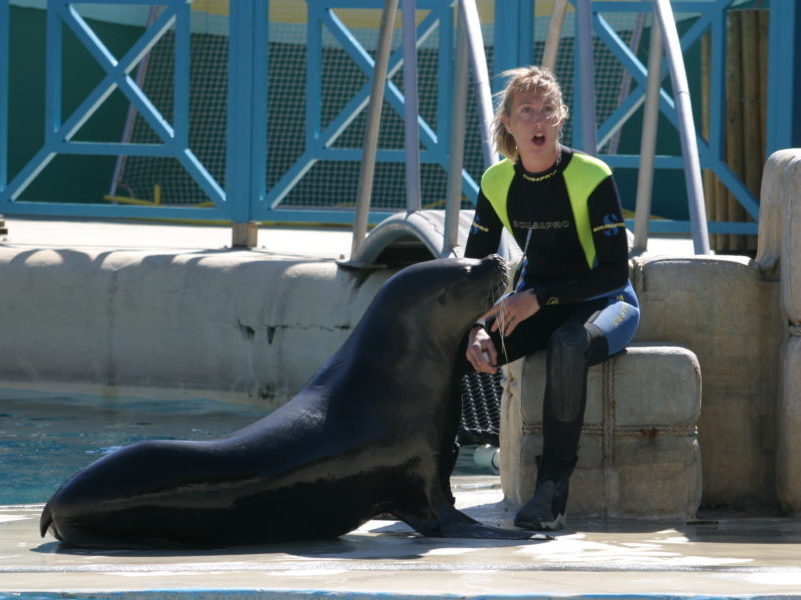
576 261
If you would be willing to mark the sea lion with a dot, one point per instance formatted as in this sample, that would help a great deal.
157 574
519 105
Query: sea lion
367 435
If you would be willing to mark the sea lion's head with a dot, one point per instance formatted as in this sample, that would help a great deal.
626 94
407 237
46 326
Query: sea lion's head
444 294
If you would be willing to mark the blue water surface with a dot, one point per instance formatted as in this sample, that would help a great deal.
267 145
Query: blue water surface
44 439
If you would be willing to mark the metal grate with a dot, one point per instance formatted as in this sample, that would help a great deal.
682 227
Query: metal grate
481 409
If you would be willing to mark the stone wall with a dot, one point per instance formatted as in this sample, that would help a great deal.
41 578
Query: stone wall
726 311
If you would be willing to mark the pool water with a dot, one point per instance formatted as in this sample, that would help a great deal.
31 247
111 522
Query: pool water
44 439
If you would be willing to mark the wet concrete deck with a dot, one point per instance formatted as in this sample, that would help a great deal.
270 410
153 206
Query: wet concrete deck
730 556
733 557
285 241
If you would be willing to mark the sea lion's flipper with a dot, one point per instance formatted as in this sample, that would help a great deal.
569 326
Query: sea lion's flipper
46 520
452 523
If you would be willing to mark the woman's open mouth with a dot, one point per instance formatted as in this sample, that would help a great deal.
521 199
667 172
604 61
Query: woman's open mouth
538 139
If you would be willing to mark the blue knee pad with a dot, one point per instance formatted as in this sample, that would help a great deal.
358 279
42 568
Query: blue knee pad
619 321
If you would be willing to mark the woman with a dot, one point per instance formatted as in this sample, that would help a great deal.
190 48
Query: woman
573 297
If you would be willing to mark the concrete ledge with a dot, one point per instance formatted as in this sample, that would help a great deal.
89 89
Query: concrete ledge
639 454
217 322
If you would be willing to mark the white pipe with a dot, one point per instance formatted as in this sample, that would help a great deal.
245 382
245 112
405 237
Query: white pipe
625 87
456 143
549 54
478 61
645 179
367 169
586 76
681 96
410 106
127 131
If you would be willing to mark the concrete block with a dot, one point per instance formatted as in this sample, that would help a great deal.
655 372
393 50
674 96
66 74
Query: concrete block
638 456
772 196
728 314
788 452
791 242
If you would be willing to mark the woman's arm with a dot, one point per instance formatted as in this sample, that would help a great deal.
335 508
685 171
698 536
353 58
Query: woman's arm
485 232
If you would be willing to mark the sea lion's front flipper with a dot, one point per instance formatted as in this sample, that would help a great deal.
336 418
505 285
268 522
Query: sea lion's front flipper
452 523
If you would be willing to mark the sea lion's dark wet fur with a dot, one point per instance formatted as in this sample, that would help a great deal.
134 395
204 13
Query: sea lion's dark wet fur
363 437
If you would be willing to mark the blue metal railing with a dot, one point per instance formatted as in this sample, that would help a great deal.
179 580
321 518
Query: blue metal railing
59 133
319 140
712 18
243 195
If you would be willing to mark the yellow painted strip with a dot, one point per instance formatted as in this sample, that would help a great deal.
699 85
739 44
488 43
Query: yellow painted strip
294 11
138 202
212 7
127 200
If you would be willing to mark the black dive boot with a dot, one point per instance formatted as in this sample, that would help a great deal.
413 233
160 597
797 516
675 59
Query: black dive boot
546 511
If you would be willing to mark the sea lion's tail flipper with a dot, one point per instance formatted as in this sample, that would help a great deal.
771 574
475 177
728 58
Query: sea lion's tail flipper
452 523
45 520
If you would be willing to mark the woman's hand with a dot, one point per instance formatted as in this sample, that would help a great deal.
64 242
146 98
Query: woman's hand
481 351
513 309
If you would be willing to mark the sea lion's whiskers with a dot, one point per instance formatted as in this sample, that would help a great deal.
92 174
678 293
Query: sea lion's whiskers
496 292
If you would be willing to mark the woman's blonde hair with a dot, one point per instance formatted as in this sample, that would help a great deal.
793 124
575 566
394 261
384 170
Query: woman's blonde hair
524 79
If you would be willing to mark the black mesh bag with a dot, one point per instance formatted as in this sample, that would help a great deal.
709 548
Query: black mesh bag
481 409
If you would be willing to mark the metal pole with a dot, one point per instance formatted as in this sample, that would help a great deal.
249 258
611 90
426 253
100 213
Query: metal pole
645 180
551 50
370 145
681 95
586 76
127 132
625 84
410 106
456 143
478 61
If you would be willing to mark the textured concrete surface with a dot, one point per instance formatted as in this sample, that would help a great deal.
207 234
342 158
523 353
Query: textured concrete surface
280 241
639 453
168 307
726 311
734 558
277 241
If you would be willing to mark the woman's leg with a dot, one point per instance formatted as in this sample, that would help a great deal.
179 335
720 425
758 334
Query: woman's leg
589 335
529 336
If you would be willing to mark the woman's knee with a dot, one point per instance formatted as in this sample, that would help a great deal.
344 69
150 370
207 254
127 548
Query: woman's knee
572 343
567 371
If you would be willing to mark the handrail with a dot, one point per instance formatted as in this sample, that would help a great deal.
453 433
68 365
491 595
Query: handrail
681 93
367 169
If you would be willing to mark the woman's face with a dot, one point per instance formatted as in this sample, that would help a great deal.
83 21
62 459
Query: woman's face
535 124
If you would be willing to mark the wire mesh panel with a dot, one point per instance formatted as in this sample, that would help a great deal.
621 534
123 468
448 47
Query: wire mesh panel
613 82
320 66
320 80
164 180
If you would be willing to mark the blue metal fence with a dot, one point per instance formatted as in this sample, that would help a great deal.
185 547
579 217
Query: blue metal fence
320 137
712 19
243 195
59 132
